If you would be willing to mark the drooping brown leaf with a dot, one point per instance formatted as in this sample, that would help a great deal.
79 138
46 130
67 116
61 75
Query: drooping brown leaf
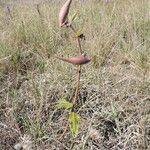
64 13
80 60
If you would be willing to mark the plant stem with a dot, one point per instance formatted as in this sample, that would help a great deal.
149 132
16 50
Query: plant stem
78 39
72 28
74 99
79 43
65 130
77 88
79 70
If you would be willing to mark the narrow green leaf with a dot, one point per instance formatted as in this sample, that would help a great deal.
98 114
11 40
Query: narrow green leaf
73 17
74 122
63 103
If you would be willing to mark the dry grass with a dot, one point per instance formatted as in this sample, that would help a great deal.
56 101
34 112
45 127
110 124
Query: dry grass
114 101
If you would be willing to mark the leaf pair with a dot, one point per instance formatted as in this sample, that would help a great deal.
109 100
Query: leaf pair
74 118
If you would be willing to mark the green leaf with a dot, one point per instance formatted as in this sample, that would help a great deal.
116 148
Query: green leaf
78 33
63 103
73 17
74 122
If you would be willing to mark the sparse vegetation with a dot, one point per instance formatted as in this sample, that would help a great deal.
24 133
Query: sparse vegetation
114 99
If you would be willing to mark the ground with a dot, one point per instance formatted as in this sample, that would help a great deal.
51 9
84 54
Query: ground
114 97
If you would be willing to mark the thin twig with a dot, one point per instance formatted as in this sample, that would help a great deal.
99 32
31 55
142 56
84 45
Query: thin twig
72 28
79 43
78 39
77 88
79 70
78 73
65 130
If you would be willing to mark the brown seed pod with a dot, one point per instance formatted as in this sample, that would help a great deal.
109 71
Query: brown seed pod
64 13
80 60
